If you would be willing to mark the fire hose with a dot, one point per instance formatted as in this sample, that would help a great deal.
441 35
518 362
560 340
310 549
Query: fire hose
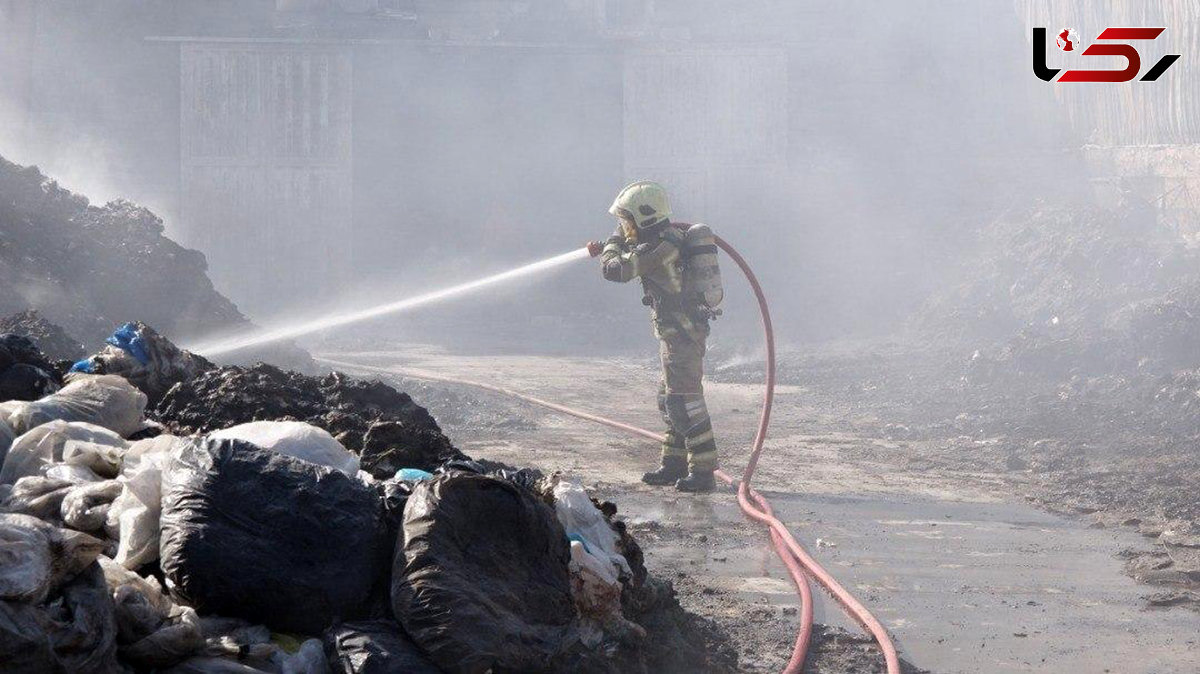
799 564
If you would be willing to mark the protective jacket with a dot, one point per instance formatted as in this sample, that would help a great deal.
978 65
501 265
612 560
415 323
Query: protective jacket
658 264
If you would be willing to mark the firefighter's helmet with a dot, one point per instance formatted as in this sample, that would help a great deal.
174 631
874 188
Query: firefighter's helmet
644 203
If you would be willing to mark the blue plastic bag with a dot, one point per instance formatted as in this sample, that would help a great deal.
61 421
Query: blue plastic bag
128 339
581 540
413 474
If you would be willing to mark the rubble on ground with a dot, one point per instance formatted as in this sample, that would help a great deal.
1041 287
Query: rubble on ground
457 406
382 425
239 535
1077 336
1053 290
1064 361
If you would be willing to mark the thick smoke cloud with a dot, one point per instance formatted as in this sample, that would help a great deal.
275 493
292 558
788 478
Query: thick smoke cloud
480 139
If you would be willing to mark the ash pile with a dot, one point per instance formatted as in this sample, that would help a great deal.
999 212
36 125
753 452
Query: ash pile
80 266
1099 308
161 513
1075 290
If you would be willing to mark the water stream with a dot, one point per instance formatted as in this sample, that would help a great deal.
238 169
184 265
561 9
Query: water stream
273 334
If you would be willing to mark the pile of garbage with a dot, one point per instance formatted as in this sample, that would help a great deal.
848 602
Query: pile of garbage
253 541
145 358
80 266
1077 321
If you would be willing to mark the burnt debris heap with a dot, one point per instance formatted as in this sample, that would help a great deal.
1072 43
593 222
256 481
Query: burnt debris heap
254 519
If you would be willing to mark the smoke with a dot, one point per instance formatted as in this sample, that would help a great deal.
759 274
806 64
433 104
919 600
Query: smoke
323 159
80 165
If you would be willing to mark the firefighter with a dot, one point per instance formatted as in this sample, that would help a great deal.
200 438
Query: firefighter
646 246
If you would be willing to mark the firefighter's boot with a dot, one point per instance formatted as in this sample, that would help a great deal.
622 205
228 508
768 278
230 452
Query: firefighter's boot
698 481
673 468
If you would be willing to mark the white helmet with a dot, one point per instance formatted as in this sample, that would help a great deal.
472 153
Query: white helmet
644 203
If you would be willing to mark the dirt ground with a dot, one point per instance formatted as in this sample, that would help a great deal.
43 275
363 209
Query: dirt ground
943 532
1113 451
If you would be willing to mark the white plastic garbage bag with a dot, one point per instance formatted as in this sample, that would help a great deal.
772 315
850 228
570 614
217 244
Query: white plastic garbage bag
36 557
76 632
594 585
105 400
308 659
582 519
6 437
296 439
103 459
85 507
73 474
152 630
596 563
133 518
88 445
38 496
229 640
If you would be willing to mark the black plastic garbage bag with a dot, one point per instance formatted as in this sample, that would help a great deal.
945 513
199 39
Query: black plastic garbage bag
529 478
480 579
250 533
74 633
23 350
394 494
26 382
374 647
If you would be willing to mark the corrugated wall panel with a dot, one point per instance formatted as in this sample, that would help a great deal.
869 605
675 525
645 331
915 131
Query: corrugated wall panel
266 168
1139 136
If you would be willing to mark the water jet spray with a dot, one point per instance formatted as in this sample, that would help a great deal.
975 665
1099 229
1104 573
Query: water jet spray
258 338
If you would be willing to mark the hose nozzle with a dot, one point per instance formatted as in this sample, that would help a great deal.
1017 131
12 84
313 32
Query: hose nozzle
594 248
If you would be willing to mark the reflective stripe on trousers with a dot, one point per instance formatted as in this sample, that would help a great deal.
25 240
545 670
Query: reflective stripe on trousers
681 401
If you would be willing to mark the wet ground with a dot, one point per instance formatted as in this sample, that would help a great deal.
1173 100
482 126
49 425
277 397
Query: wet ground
964 573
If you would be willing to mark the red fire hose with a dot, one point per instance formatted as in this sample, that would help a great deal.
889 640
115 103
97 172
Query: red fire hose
786 546
799 564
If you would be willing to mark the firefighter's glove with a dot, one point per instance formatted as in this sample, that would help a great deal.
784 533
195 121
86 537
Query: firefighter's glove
612 270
